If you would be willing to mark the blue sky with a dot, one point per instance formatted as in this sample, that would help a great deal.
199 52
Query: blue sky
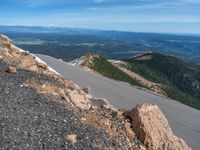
171 16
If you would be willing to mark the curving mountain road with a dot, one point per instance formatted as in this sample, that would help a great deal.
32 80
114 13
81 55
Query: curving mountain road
184 120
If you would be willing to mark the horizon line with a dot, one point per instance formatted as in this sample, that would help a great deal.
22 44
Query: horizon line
98 29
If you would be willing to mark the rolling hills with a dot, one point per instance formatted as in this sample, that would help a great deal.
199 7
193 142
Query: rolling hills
71 43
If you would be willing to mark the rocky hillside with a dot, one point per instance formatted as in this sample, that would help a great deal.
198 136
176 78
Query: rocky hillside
41 110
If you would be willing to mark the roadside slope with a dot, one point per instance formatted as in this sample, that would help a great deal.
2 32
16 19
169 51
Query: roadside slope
184 120
39 109
42 110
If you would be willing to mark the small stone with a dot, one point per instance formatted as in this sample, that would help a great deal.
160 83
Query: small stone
101 102
25 53
114 113
83 119
71 86
72 138
11 69
86 90
43 66
95 146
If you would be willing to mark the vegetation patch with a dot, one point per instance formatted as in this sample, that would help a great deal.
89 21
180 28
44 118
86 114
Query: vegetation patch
105 68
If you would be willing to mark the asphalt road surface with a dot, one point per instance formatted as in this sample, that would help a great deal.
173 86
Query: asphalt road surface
184 120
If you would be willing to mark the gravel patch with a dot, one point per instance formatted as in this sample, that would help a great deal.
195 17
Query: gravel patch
29 120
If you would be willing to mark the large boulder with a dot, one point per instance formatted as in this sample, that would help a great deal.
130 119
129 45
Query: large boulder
152 128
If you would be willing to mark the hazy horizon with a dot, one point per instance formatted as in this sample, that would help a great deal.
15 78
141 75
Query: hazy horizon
88 28
154 16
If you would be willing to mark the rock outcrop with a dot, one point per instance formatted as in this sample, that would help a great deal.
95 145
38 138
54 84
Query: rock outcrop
84 62
20 58
152 128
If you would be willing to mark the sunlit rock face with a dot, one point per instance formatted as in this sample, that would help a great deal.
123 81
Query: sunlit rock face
152 128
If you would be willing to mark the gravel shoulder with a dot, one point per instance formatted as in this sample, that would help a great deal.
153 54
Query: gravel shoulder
29 120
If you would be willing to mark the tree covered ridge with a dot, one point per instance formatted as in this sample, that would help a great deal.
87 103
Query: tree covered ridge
180 80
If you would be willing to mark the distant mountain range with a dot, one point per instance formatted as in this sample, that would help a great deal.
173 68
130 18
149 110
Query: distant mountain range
71 43
41 29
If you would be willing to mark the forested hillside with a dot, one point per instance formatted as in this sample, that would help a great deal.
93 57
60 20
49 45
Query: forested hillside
180 80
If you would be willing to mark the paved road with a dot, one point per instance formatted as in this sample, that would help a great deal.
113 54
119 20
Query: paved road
184 120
